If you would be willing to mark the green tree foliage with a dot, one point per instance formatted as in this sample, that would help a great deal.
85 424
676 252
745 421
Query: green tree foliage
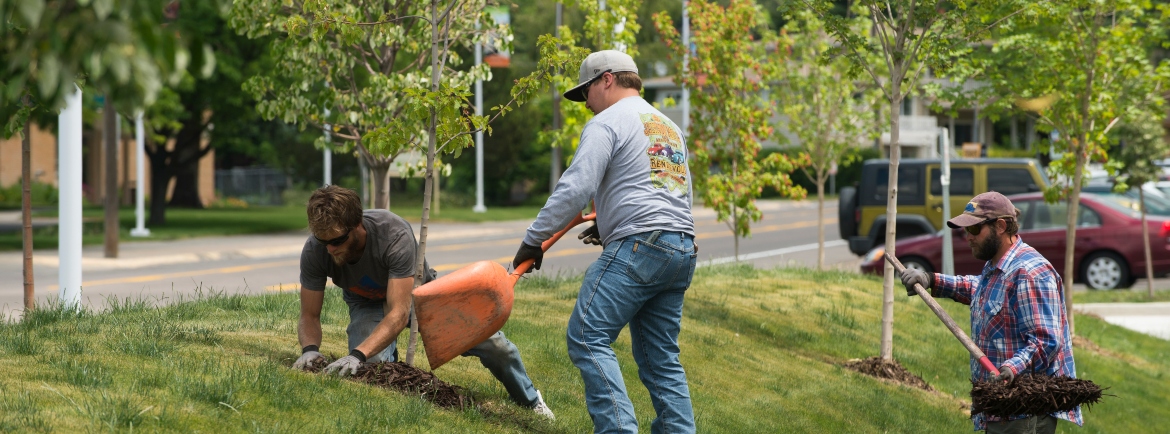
732 115
823 106
120 47
1078 67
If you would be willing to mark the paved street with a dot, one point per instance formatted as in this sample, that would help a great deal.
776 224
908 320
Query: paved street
166 271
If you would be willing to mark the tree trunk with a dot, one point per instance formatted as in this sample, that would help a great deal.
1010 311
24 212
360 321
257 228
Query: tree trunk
1070 235
26 216
734 209
820 220
160 177
887 345
110 173
381 178
186 193
1146 245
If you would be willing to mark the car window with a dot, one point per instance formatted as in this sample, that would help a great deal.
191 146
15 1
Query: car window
1055 216
1128 202
909 185
1011 181
1025 208
962 181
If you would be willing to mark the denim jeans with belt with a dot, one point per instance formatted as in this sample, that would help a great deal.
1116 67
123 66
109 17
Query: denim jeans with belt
497 353
639 280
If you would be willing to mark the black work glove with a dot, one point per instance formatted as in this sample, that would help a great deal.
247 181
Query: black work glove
1005 374
590 236
911 276
527 252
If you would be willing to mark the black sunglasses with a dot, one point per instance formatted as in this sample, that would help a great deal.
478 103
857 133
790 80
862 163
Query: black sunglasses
975 229
336 241
589 84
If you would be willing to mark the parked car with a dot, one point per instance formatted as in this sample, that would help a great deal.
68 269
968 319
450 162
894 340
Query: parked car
1108 254
861 210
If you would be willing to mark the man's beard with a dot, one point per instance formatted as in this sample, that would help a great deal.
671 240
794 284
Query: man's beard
340 258
988 248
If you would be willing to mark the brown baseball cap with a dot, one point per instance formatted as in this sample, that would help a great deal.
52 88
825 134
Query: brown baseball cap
990 205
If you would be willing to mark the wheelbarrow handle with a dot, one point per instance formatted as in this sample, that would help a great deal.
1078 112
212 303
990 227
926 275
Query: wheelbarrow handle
946 319
547 244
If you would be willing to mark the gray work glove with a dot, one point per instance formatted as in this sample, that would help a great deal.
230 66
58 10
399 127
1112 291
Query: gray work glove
308 359
590 236
911 276
1005 374
527 252
344 366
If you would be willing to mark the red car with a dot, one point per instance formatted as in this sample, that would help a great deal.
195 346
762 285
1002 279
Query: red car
1109 250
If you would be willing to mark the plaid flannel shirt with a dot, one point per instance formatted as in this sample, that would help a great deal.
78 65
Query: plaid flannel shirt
1017 319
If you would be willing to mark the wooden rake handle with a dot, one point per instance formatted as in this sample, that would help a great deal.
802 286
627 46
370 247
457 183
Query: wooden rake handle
547 244
946 319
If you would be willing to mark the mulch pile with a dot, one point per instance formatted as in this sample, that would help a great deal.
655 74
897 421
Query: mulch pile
411 381
890 370
1032 394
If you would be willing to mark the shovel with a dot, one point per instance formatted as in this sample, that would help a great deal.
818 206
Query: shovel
1028 394
458 311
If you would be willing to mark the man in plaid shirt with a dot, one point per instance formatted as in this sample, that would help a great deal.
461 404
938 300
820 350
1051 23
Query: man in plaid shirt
1017 307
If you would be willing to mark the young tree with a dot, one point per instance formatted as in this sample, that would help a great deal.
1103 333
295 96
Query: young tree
731 114
823 106
1142 141
1086 63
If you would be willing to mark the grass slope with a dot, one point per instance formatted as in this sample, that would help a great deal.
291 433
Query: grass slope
763 350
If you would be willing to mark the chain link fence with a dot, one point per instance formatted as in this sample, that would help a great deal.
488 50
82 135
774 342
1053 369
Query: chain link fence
254 185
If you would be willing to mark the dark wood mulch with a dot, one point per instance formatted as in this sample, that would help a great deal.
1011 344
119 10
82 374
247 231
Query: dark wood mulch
410 380
891 370
1032 394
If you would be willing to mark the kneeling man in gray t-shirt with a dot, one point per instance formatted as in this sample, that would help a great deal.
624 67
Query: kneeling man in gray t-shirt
370 255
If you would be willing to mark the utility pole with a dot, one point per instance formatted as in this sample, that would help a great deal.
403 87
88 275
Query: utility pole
69 201
140 229
555 171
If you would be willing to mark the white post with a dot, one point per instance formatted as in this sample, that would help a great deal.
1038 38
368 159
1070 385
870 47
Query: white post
686 93
69 196
328 152
479 207
945 180
140 229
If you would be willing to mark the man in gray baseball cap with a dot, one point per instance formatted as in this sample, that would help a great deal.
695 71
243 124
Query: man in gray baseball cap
632 162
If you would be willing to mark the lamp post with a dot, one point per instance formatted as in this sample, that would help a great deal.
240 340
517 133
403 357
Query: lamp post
139 183
69 205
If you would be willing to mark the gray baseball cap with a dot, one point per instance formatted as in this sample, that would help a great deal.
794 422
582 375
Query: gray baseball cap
598 63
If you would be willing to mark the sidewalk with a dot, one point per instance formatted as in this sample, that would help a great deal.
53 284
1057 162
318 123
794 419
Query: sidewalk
1149 318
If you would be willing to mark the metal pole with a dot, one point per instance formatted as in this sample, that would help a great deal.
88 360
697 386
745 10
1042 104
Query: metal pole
686 93
26 215
139 180
945 178
69 205
555 170
478 134
328 152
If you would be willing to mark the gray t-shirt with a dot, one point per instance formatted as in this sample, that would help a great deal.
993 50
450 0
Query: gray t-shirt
389 254
632 161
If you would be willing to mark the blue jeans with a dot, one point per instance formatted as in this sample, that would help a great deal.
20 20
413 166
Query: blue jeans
639 280
497 353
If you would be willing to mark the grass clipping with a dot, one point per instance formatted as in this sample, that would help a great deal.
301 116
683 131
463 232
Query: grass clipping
1032 394
409 380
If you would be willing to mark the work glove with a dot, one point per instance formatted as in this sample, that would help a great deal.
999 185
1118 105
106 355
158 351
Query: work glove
911 276
590 236
527 252
308 359
344 366
1005 374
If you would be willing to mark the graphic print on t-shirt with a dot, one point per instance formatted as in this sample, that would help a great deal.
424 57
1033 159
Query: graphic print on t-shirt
368 288
668 159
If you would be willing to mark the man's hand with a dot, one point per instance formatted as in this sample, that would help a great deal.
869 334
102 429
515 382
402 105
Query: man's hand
527 252
590 236
912 276
308 359
1005 374
344 366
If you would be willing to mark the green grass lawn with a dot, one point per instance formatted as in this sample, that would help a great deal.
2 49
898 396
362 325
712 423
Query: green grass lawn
189 223
763 350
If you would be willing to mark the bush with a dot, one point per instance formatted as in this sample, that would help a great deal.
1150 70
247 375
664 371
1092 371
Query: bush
42 195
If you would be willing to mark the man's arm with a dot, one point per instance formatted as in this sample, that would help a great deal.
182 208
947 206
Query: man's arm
958 288
309 326
397 315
